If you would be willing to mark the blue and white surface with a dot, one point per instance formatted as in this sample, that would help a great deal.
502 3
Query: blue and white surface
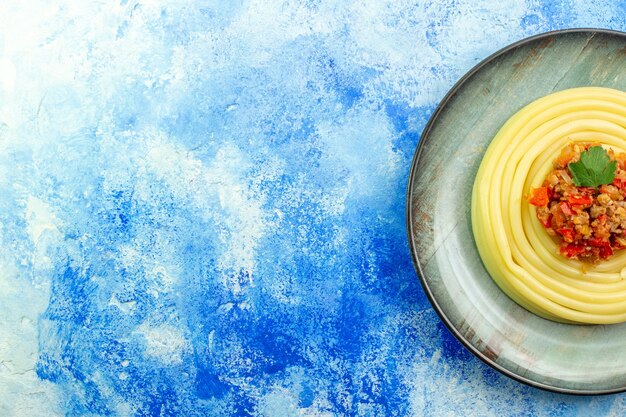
202 207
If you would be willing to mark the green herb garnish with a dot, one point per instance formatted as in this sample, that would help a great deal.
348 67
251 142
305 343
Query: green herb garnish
593 169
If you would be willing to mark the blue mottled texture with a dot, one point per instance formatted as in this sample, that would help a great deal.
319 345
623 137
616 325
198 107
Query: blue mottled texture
202 207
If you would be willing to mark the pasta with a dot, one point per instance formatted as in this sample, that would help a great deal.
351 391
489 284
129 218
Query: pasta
516 250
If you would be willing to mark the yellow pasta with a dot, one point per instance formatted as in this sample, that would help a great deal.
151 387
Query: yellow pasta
517 251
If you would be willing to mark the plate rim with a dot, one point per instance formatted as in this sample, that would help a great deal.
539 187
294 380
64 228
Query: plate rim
409 228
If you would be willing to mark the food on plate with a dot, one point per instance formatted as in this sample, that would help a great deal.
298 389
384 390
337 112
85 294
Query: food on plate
549 210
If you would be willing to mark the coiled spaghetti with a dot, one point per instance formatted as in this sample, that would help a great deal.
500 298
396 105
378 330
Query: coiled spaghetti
515 248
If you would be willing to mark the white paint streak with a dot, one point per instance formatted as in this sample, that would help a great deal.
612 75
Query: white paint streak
40 218
22 393
239 220
165 342
7 75
125 307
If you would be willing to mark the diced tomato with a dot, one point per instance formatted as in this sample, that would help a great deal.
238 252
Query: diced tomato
598 243
621 184
566 209
602 218
605 252
548 222
571 250
580 200
567 233
539 196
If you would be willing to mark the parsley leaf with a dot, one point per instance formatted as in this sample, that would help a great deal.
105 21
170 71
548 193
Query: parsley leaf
593 169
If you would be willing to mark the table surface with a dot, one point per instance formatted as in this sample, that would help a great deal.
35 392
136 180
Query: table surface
202 207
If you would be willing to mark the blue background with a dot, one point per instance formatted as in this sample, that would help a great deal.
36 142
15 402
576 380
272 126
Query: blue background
202 207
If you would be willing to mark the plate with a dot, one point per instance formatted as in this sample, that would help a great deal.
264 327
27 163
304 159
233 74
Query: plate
575 359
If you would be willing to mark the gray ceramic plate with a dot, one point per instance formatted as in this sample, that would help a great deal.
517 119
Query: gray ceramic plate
565 358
